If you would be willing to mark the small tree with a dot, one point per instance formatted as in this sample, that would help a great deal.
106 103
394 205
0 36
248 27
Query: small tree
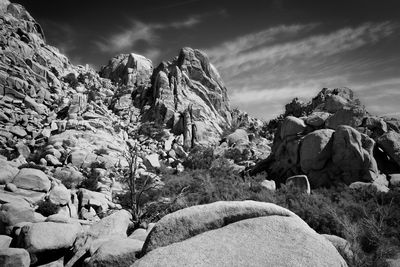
144 205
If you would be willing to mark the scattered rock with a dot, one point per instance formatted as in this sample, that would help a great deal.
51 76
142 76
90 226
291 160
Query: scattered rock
14 257
269 184
117 252
390 143
5 241
139 234
32 179
152 162
45 236
14 213
59 195
317 119
292 126
7 171
238 137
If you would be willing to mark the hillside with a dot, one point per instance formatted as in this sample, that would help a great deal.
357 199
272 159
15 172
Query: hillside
150 166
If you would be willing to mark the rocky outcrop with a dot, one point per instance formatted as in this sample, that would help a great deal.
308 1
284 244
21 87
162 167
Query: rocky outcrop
186 94
236 233
332 141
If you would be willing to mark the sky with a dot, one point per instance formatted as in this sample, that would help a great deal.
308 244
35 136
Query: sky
267 51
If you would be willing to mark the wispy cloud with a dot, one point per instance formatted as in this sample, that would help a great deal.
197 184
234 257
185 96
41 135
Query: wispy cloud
264 70
138 32
242 56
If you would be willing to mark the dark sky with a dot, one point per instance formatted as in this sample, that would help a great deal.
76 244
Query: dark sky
266 51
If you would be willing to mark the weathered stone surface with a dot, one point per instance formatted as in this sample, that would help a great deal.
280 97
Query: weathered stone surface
292 126
152 161
335 103
317 119
32 179
5 241
114 225
190 82
274 240
348 116
129 69
270 185
45 236
69 176
7 171
139 234
238 137
14 213
93 199
342 245
59 195
117 252
18 131
390 143
352 155
183 224
316 150
14 257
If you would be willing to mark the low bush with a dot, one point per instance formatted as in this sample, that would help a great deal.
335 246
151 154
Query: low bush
199 158
32 166
370 221
47 208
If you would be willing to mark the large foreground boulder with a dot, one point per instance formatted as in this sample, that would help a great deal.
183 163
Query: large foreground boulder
244 233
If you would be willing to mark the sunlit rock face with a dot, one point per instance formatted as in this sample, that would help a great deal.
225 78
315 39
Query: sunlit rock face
186 94
189 93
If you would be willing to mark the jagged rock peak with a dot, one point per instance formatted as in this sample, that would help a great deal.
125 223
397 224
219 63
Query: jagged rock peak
188 86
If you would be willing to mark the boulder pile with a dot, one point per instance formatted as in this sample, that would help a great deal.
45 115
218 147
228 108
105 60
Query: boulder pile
333 139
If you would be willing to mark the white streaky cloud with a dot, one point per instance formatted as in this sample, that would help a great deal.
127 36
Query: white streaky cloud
190 22
339 41
304 90
127 38
250 41
138 31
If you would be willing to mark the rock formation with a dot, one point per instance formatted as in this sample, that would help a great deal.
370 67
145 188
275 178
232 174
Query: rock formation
332 139
236 233
71 137
186 94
